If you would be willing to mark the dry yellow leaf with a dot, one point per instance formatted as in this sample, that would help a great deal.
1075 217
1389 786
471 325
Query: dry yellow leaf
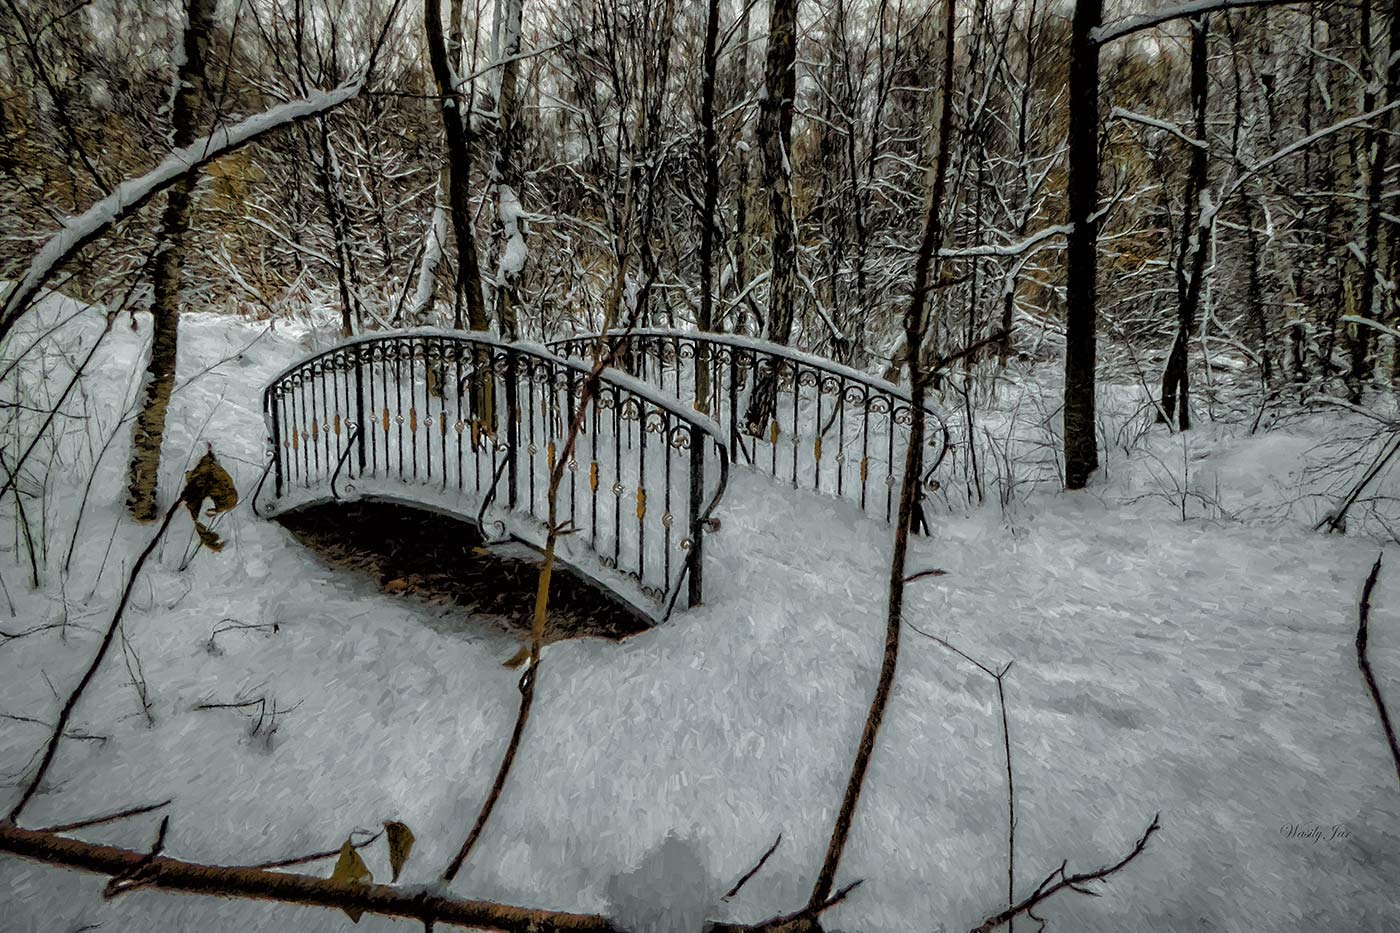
400 845
351 869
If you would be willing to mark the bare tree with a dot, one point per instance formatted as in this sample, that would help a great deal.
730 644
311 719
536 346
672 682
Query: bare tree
149 432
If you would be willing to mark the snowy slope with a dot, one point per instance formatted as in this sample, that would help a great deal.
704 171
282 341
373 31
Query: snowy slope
1201 668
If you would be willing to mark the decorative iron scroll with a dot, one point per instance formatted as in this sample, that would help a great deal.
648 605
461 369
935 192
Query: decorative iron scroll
799 417
469 422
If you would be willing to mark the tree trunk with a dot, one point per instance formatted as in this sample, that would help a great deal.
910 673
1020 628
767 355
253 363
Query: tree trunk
459 171
709 158
775 135
1023 218
509 179
1195 229
144 473
1081 252
1377 140
741 200
335 214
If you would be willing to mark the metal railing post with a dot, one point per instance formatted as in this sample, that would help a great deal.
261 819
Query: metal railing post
276 443
360 408
512 427
697 530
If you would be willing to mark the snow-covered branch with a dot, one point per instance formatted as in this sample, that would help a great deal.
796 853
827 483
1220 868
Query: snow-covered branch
1029 244
1132 24
134 192
1173 129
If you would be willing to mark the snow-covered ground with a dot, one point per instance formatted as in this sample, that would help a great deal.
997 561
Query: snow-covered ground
1202 668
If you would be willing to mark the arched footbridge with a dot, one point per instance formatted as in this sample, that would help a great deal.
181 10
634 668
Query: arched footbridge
473 426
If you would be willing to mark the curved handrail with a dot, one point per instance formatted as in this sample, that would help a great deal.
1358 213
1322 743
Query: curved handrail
761 346
538 351
834 379
384 406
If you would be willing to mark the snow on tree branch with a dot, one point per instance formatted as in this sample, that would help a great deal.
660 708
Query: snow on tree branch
134 192
1133 24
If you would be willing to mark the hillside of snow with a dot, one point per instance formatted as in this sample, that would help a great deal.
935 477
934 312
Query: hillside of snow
1201 667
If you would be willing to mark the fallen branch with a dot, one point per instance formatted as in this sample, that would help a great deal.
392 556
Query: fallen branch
1362 639
168 874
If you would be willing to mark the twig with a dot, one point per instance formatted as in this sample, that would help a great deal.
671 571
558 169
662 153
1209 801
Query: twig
787 921
76 736
755 870
315 856
67 713
1334 519
136 876
33 630
1362 638
1000 678
106 818
233 625
922 574
1050 887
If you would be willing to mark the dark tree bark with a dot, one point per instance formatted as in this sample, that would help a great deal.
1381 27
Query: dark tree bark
645 170
1192 248
459 172
775 139
775 135
1023 148
509 178
1377 139
1081 253
709 157
335 213
741 198
144 474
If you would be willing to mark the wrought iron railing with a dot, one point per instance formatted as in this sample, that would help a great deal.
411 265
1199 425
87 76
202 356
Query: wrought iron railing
474 425
799 417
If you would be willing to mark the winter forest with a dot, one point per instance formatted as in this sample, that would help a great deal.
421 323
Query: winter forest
662 466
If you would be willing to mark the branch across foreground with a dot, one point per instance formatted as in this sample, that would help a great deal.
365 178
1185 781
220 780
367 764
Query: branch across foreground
176 875
1363 634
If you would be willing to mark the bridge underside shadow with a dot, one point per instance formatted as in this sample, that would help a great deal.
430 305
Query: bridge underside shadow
427 555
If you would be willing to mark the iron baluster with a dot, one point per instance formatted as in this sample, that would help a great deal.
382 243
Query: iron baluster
696 557
617 477
641 490
359 406
889 465
272 400
512 427
796 418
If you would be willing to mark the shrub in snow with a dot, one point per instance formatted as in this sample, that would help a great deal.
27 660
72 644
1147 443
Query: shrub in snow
669 892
